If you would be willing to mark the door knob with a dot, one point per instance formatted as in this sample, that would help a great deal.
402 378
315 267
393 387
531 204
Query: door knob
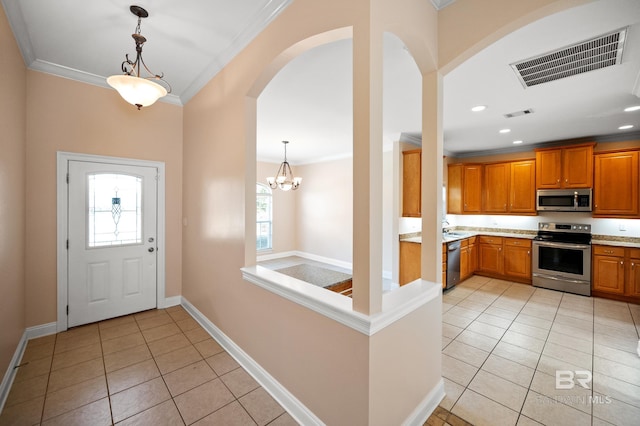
151 249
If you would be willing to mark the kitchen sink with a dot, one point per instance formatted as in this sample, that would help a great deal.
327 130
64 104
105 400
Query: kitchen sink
455 235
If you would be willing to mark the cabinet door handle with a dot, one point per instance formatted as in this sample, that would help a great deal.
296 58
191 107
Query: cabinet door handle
528 252
621 263
558 180
633 265
566 180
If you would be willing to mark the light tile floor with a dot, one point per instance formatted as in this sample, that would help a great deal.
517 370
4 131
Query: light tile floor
155 368
502 345
504 342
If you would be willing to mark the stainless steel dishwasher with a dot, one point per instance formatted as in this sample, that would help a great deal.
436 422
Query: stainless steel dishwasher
453 263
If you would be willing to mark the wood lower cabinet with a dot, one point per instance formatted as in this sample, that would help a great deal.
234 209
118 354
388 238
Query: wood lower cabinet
412 183
616 272
615 191
608 269
468 258
409 262
490 257
633 277
517 258
444 265
505 258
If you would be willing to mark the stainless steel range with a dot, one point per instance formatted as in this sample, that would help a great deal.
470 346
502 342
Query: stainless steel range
562 257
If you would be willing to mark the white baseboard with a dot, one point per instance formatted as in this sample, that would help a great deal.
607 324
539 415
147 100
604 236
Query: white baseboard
272 256
29 333
294 407
426 407
41 330
172 301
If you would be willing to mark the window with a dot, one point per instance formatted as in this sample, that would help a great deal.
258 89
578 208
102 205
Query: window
263 217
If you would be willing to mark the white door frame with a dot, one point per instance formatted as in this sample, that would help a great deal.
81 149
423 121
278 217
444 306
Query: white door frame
62 229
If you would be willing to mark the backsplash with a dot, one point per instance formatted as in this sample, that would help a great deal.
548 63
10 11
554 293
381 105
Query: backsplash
623 228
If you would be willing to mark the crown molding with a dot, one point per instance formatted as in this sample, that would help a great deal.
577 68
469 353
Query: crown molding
85 77
257 24
441 4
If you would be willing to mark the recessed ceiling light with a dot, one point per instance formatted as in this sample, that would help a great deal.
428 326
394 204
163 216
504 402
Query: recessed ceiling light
505 130
632 108
625 127
517 142
479 108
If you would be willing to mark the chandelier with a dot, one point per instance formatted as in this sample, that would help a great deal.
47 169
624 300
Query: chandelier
137 90
284 178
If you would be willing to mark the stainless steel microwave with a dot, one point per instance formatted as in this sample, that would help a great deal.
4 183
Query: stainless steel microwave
564 200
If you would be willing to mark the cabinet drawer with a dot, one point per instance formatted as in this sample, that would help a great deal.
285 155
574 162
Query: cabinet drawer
517 242
464 243
485 239
608 251
472 240
634 253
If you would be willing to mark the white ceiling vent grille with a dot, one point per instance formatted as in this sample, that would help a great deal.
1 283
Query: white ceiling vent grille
600 52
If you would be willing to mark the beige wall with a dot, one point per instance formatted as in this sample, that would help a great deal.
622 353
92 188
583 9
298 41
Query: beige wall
64 115
284 210
325 209
219 150
12 194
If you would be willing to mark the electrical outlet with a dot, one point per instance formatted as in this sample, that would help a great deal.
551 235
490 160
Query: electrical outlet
622 227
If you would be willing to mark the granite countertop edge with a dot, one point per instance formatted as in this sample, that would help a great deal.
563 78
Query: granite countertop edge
611 240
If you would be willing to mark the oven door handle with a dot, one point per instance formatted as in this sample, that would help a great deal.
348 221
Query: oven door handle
551 277
562 245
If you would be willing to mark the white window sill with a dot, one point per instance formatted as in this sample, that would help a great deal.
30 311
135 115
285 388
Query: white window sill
395 304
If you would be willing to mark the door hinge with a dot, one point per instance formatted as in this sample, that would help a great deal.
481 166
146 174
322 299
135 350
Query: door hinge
67 244
67 309
67 177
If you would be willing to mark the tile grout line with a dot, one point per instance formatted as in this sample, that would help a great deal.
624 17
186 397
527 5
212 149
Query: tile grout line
499 340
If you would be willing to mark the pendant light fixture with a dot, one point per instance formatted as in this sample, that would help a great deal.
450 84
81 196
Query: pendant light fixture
134 88
284 178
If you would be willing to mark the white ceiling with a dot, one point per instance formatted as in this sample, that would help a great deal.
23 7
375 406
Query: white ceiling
309 102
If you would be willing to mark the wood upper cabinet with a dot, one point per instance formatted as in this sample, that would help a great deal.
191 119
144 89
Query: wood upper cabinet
411 183
472 188
464 188
496 187
615 191
522 192
517 258
569 167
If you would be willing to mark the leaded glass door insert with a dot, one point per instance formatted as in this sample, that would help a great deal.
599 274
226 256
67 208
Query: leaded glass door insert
115 209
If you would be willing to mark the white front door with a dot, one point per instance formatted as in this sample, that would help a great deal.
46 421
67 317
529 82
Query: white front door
112 233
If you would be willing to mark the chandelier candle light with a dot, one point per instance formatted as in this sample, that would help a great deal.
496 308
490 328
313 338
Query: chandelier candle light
137 90
284 178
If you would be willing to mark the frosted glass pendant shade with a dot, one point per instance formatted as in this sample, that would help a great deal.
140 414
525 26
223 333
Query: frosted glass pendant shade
137 91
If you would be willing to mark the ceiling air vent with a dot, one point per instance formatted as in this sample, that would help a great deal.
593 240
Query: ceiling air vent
600 52
519 113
